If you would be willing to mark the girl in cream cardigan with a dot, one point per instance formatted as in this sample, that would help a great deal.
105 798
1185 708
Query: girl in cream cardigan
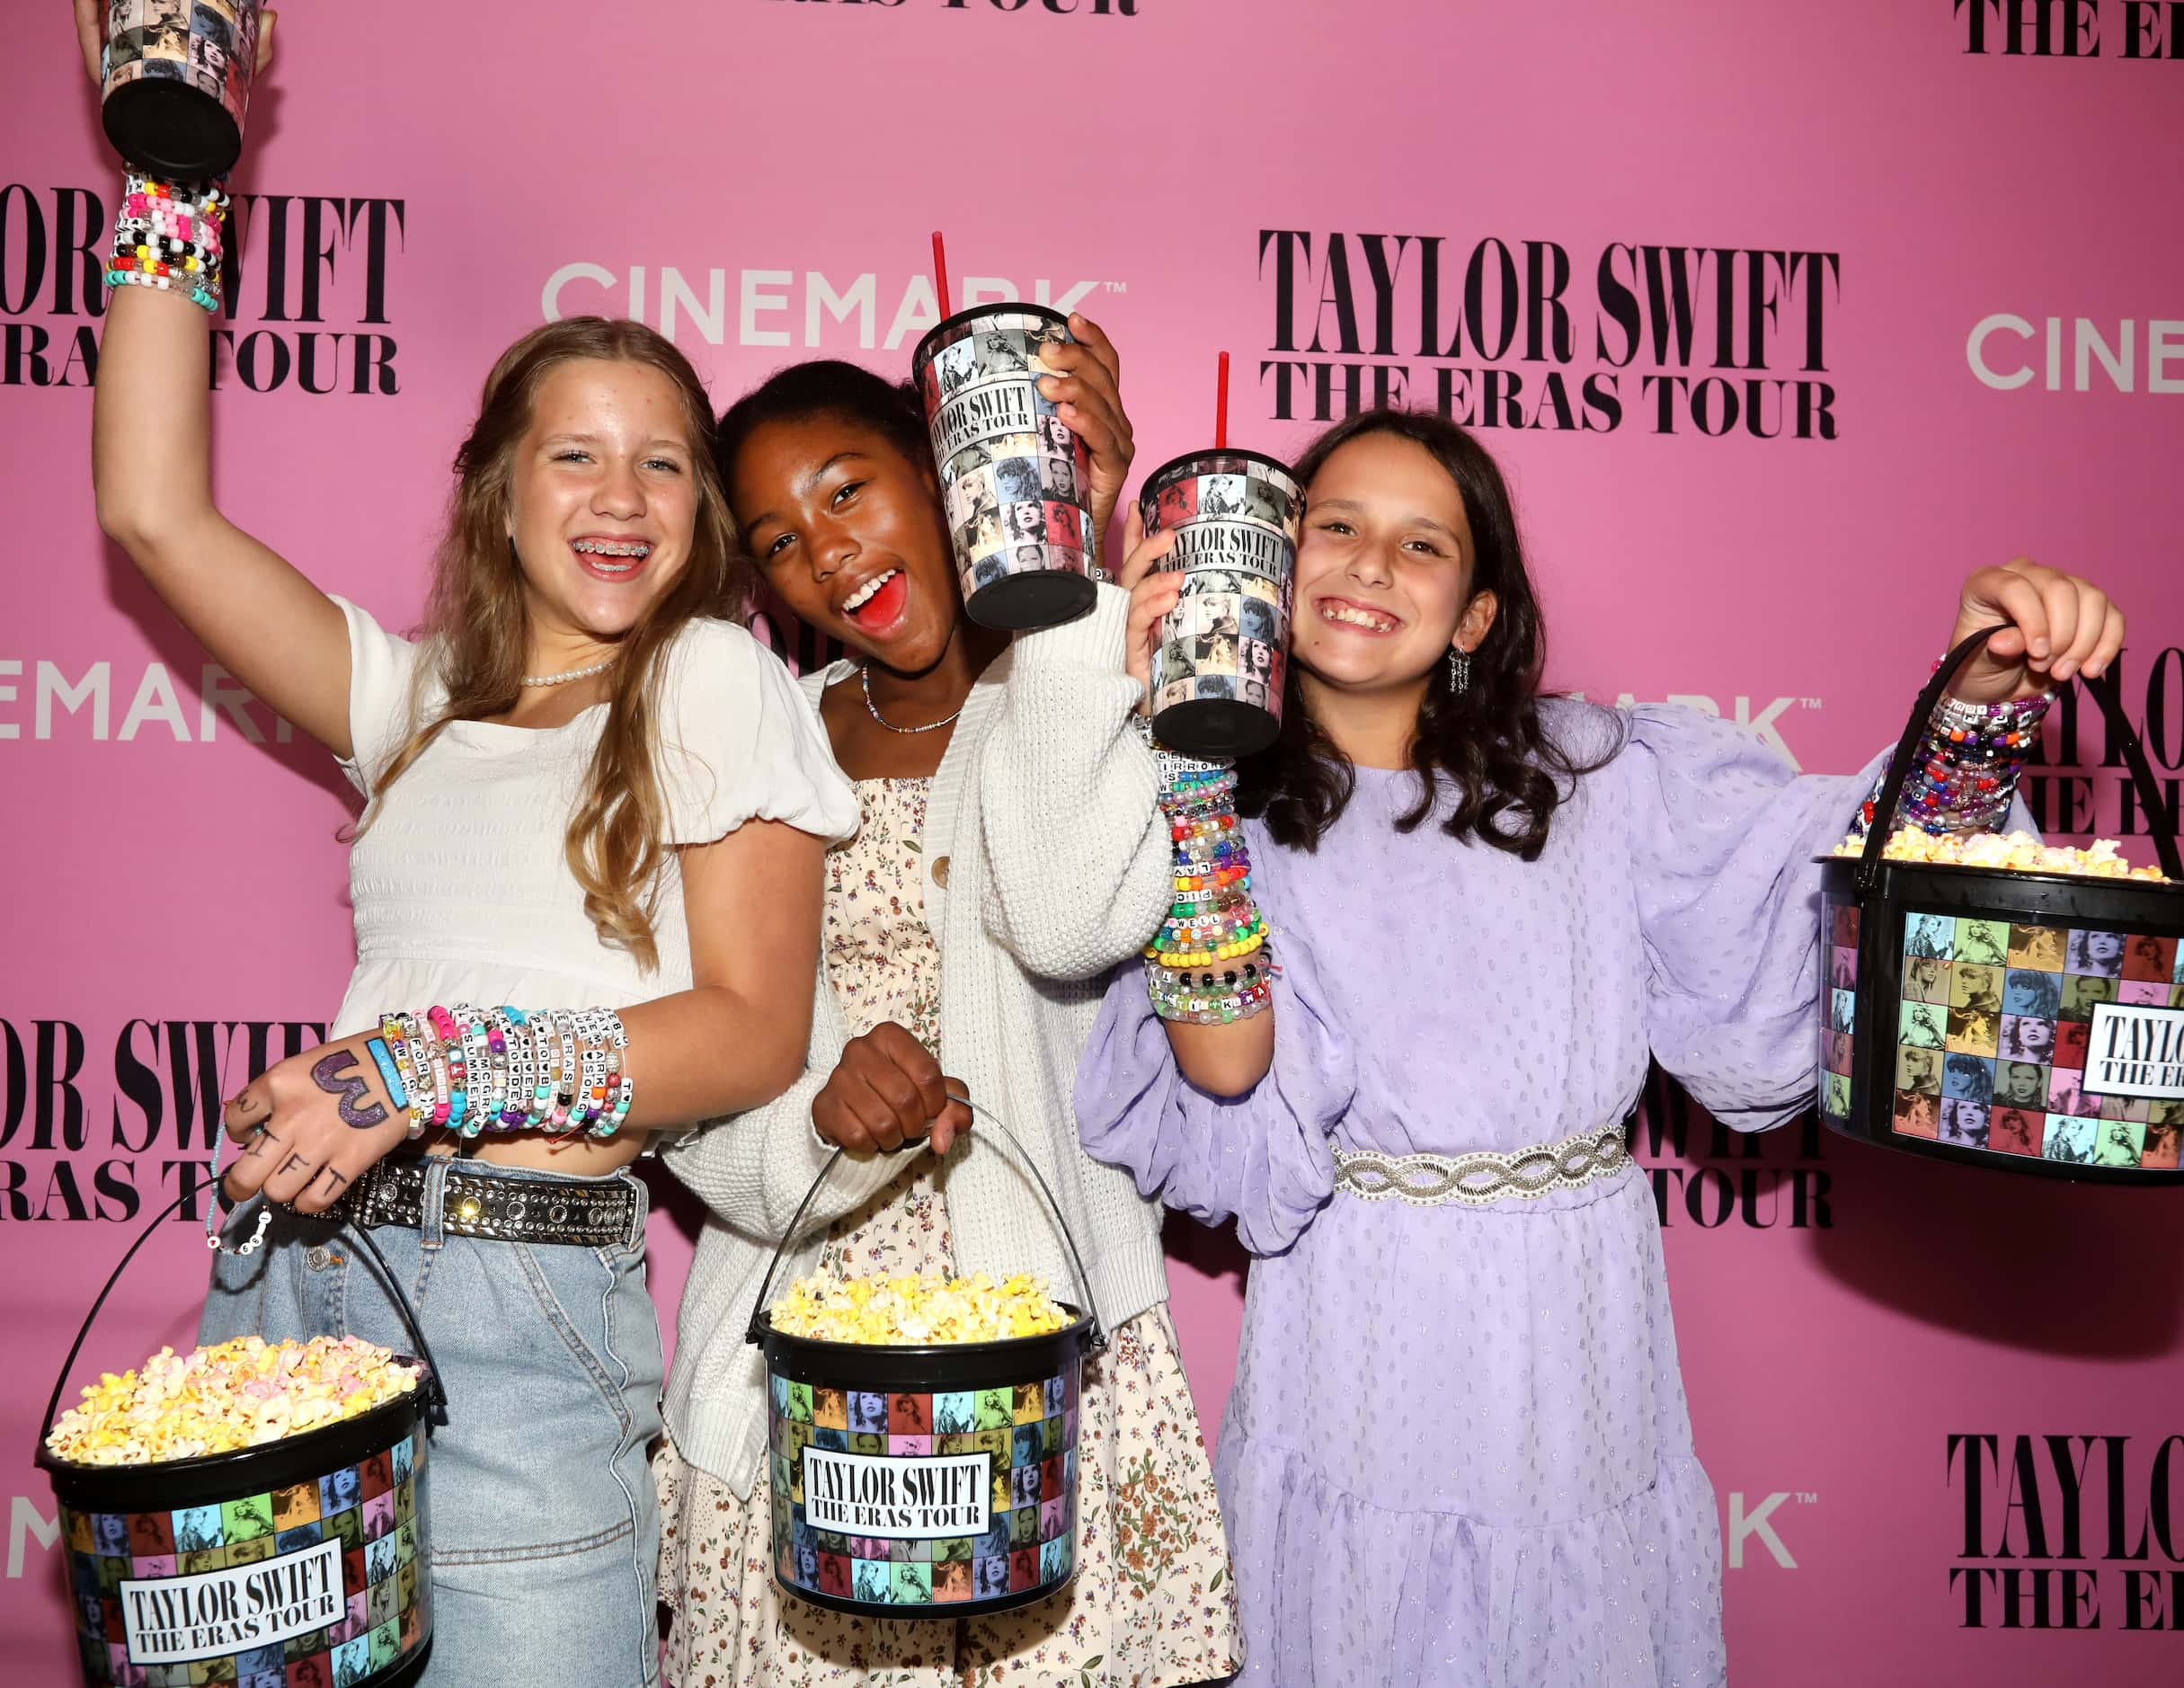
1011 854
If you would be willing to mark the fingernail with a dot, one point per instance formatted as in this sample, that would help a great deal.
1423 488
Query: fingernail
1047 383
2038 647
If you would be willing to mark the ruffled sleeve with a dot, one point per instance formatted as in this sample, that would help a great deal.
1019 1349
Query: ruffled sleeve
1724 836
384 704
1265 1158
738 742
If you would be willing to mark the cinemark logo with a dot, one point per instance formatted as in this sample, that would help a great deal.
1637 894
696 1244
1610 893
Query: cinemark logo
1757 1523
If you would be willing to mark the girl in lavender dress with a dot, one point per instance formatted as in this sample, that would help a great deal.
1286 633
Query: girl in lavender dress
1457 1450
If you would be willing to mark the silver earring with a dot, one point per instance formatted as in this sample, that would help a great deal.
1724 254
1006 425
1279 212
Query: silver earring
1459 671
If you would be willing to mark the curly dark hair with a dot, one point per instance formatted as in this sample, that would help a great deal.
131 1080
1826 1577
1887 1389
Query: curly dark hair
826 387
1488 743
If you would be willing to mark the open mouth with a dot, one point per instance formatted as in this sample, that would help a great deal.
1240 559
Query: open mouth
878 602
611 559
1341 612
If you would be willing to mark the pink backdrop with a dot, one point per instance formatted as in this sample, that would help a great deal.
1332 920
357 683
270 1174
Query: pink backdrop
1875 232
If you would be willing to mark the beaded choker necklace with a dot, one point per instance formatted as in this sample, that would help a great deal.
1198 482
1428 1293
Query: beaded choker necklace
873 709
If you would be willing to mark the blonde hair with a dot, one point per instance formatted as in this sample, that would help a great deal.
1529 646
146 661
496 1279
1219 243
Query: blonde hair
479 628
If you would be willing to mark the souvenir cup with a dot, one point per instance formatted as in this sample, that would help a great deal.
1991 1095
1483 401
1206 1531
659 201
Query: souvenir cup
1013 475
939 1480
305 1560
2027 1022
177 83
1217 671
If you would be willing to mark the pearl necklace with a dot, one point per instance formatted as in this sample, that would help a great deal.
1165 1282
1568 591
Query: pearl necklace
873 709
574 673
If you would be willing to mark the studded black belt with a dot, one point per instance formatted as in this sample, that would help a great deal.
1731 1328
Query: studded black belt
583 1212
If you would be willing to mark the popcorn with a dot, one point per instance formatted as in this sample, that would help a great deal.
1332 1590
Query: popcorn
2020 852
234 1395
910 1310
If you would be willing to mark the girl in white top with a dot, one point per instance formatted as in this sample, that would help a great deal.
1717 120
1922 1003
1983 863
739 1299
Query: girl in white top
1011 855
582 793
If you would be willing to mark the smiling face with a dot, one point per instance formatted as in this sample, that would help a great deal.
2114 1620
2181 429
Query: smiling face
1384 569
602 498
851 534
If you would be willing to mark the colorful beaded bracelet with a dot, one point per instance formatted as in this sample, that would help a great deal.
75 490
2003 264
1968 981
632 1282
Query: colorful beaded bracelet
167 235
1968 763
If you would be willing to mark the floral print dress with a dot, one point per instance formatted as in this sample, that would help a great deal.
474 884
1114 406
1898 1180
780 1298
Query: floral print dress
1152 1604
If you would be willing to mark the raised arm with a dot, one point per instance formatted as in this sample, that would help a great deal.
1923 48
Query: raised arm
1065 779
151 464
1078 850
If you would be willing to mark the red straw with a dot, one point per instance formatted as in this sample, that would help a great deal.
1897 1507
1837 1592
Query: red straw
940 272
1220 404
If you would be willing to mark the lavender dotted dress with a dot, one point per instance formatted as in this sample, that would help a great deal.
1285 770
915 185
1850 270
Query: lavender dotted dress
1457 1450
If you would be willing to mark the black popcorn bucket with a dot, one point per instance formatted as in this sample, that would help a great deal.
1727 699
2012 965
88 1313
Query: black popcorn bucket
1217 671
931 1482
1012 475
176 83
300 1563
2033 1022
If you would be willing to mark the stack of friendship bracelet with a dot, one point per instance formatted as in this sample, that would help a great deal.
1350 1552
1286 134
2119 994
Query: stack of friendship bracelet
468 1070
1210 963
167 235
1968 763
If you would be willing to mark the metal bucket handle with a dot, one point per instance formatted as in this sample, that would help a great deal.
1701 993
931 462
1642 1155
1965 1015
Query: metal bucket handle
754 1333
2106 692
436 1396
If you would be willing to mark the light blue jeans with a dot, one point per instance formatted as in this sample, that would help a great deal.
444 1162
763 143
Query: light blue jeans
544 1527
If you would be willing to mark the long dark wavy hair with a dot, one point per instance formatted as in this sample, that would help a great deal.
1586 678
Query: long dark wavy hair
1506 775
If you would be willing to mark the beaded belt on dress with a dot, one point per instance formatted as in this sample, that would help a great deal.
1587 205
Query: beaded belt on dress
578 1210
1485 1175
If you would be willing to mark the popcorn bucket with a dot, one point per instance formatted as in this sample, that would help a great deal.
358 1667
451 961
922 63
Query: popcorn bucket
2033 1022
1013 475
177 83
931 1482
301 1563
1218 669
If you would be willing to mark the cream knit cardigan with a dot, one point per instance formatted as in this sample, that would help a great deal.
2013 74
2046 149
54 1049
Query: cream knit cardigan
1046 864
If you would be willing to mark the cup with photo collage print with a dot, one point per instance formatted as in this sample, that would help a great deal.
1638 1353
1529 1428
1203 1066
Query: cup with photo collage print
1217 671
176 83
1012 475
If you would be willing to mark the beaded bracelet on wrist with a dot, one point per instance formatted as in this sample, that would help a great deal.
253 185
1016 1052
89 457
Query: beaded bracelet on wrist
167 235
1967 767
1196 966
477 1070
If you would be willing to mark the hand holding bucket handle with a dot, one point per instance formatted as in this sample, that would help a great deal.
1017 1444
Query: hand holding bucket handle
435 1394
2106 692
1097 1341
